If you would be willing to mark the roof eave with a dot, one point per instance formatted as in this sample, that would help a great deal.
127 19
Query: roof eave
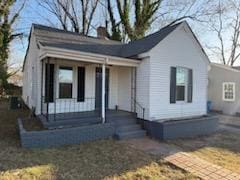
86 56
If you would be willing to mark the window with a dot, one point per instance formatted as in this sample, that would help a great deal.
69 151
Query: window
229 91
65 77
181 83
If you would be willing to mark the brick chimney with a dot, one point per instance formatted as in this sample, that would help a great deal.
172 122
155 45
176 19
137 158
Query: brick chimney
101 32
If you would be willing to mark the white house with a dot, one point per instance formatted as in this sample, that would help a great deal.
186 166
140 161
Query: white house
161 76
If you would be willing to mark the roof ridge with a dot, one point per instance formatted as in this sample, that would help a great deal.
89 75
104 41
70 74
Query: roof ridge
226 66
152 34
44 27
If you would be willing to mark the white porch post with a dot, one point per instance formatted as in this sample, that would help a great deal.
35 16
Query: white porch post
103 92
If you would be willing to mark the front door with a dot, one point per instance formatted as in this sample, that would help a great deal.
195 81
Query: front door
98 91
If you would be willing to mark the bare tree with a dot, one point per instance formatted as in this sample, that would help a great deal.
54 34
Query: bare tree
173 11
55 8
226 25
73 15
130 19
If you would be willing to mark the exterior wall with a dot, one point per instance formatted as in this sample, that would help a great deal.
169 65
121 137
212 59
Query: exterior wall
71 105
30 79
178 49
142 87
124 88
113 87
184 128
66 136
217 75
119 88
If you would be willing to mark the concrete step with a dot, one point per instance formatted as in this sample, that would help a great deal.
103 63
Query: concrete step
125 121
128 128
131 134
115 118
119 114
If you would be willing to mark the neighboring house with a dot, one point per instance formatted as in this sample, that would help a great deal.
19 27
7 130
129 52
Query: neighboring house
224 88
161 76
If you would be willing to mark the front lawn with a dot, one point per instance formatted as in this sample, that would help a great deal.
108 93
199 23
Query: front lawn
222 148
106 159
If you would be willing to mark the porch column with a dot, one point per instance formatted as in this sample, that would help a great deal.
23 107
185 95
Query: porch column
103 92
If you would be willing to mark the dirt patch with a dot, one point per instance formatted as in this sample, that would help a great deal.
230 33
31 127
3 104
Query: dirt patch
32 124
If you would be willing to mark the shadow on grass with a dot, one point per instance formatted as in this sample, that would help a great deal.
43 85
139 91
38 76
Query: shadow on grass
220 139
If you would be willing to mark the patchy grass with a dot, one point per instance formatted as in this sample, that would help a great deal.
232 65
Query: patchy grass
106 159
222 148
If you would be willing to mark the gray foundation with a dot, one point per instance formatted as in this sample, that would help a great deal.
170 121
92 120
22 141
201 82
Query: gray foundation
66 136
184 128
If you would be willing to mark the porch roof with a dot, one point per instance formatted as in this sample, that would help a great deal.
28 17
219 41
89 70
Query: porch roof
76 54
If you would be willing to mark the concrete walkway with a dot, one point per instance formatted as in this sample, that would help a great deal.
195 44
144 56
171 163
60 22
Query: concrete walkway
183 160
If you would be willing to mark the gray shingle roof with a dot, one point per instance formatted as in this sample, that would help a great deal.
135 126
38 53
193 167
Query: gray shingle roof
129 50
111 50
236 67
68 35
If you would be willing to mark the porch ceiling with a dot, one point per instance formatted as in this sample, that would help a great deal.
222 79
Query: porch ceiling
53 52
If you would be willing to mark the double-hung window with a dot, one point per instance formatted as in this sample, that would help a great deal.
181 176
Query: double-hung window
181 83
65 77
228 91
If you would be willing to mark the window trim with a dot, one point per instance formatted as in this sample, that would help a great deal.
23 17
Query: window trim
223 91
65 68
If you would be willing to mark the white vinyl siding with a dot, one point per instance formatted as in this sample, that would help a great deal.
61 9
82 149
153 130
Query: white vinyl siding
113 87
124 88
177 49
142 87
30 79
119 88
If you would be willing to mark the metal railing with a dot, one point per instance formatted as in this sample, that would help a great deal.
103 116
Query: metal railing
69 108
138 108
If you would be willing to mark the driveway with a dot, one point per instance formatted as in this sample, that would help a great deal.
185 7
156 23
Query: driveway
229 123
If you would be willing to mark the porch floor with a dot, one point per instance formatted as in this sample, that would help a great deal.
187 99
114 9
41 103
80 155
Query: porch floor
82 118
125 122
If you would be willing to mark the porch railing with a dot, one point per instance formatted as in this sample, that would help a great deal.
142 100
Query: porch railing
70 108
138 108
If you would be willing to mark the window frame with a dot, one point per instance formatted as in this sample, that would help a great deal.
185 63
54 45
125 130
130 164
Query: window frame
185 85
223 91
59 82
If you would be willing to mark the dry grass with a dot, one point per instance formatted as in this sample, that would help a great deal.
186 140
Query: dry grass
220 148
106 159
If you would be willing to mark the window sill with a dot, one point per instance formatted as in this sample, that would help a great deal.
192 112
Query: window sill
229 100
181 102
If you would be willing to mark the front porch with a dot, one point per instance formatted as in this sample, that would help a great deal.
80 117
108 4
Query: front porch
74 92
